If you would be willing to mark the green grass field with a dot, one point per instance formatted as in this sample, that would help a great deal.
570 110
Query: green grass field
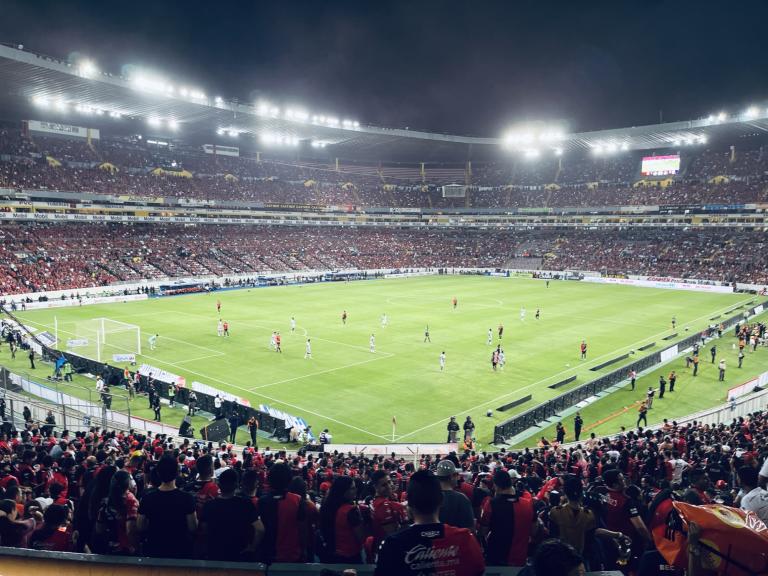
355 393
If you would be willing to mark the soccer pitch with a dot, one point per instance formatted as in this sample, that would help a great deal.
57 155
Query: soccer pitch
355 392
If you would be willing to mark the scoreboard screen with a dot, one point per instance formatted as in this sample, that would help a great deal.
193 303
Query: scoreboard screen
660 165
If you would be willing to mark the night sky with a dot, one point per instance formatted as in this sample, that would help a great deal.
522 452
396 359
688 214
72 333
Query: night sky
457 67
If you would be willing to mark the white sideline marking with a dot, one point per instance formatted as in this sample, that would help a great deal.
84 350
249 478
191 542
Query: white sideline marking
529 386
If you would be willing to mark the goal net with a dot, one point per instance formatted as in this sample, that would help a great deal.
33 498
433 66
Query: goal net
101 338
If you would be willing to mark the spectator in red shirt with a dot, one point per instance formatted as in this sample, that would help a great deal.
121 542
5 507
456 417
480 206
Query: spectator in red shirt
115 529
283 515
341 524
389 515
54 534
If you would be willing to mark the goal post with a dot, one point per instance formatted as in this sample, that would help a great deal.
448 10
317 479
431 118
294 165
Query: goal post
100 338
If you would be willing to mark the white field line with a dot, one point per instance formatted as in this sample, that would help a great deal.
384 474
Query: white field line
529 386
270 398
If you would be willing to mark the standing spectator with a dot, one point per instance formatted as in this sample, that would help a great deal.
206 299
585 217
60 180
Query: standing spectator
115 527
192 403
389 515
721 369
203 488
14 532
341 524
230 523
53 535
622 512
456 508
157 407
217 402
672 381
507 523
167 515
284 517
253 430
234 422
453 429
171 394
754 498
452 551
662 386
560 433
578 422
31 359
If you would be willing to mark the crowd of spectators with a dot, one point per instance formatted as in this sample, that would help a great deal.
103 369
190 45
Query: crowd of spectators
38 257
708 176
600 503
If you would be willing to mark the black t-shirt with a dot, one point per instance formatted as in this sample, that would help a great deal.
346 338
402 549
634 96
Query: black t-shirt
428 549
167 535
228 526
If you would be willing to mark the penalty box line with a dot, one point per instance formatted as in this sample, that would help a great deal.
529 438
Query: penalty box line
550 377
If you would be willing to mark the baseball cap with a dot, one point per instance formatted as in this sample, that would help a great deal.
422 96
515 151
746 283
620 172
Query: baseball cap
445 468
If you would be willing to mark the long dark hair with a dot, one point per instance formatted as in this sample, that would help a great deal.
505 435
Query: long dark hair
100 490
118 486
335 499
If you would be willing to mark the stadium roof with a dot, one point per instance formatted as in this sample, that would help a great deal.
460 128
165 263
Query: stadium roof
39 87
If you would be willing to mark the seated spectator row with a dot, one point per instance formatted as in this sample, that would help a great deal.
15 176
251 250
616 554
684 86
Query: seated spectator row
710 176
40 257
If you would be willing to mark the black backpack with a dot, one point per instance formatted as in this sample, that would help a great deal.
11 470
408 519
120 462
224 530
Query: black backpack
106 532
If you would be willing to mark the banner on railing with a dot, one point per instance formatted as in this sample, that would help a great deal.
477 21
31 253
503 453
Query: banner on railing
668 354
226 396
162 375
386 449
77 342
124 358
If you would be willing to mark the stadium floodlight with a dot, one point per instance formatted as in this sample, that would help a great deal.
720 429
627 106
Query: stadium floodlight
320 119
703 139
220 131
531 154
219 100
154 122
676 142
689 141
318 144
60 105
115 114
87 69
99 112
41 101
332 121
721 117
233 133
274 111
173 124
184 92
751 112
558 151
598 150
611 148
356 124
262 108
624 147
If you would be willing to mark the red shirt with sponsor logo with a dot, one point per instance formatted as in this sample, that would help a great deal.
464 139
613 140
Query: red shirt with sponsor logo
386 512
430 549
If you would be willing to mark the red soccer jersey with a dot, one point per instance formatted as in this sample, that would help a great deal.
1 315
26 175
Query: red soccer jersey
386 512
348 518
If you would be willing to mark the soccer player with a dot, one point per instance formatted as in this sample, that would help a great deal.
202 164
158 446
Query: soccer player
522 314
538 313
278 341
674 322
454 302
218 306
344 317
273 341
501 330
293 324
442 360
220 328
225 325
490 337
502 359
384 320
632 378
372 343
426 334
583 349
308 351
152 341
495 359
